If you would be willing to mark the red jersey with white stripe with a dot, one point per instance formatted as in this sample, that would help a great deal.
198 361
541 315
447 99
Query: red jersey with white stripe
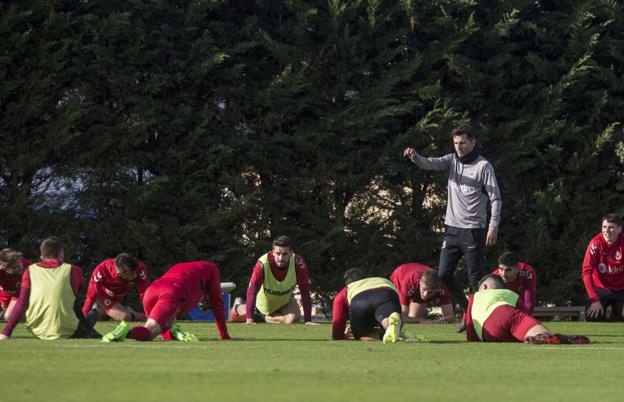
526 279
407 278
105 283
603 266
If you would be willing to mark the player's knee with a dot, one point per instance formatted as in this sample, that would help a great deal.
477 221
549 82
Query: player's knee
291 318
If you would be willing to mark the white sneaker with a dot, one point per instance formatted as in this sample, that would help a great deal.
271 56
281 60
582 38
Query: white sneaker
394 329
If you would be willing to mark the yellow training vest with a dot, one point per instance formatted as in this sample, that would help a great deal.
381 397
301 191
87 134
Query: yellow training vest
484 303
357 287
50 313
274 294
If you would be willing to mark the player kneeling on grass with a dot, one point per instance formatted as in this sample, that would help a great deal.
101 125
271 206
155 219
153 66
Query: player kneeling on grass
49 297
111 280
273 279
496 314
418 285
370 304
179 290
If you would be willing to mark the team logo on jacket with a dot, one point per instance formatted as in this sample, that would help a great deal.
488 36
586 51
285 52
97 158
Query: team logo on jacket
444 244
618 255
602 268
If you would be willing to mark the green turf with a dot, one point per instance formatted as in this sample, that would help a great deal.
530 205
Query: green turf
299 363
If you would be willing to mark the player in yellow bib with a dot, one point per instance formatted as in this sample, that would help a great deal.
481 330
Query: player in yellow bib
48 297
270 293
372 307
497 314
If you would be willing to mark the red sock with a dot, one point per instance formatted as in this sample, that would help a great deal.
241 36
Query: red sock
140 333
167 335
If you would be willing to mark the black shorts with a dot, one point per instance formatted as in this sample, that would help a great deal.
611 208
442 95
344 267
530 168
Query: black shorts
607 298
258 316
369 308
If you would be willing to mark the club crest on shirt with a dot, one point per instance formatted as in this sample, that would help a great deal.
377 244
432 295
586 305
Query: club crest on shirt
618 255
602 268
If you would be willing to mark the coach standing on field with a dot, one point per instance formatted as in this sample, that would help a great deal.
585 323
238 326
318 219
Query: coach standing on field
471 183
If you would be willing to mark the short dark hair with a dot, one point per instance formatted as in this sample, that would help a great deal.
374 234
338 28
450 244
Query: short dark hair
430 278
125 262
463 129
51 247
509 258
612 218
283 241
498 281
353 274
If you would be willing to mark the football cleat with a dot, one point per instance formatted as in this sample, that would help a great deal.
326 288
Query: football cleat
393 331
118 334
181 335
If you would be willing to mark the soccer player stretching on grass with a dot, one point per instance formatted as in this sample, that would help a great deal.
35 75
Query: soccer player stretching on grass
48 296
369 304
12 266
418 285
269 296
519 277
110 281
496 314
180 289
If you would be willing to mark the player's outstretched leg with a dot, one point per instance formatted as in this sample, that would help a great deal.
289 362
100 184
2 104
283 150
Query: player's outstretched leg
118 334
394 328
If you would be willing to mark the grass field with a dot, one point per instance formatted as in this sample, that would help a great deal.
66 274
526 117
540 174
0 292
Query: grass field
300 363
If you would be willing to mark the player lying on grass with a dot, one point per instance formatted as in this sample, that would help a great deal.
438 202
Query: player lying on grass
12 266
496 314
180 289
49 297
273 279
418 285
370 304
111 280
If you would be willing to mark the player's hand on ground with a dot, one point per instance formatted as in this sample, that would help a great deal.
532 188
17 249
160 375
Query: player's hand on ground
3 337
312 323
595 310
249 322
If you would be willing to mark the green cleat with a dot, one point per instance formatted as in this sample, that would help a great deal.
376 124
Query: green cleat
118 333
393 331
181 335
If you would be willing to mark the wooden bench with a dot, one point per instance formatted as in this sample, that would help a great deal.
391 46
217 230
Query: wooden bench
577 312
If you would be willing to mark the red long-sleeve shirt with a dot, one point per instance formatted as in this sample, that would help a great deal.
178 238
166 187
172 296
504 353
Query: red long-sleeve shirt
303 281
340 315
106 283
524 286
407 278
76 280
197 280
603 266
